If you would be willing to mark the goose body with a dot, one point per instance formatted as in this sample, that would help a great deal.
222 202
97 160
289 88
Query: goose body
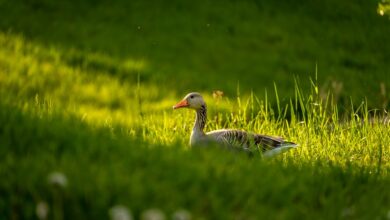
229 137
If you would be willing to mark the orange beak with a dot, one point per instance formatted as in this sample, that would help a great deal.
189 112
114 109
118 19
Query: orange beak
181 104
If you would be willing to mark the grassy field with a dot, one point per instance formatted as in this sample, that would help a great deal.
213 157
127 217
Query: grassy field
86 120
252 42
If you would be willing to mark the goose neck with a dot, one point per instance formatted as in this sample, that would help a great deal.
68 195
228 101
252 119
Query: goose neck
200 121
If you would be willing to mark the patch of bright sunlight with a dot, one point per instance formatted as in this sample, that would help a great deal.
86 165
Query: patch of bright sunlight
76 82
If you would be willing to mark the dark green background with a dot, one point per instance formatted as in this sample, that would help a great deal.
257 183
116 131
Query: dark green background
209 45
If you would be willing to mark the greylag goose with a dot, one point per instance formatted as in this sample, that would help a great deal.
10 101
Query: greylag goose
269 145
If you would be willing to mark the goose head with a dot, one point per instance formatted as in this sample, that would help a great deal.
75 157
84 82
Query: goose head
192 100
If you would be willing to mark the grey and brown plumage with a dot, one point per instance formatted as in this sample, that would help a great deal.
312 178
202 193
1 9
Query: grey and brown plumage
229 137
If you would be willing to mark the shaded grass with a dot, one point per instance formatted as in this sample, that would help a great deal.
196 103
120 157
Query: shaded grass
253 42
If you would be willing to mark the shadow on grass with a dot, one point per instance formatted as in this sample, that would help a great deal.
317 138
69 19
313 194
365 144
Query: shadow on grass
187 44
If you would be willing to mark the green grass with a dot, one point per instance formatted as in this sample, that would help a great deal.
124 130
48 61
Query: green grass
339 169
85 92
252 42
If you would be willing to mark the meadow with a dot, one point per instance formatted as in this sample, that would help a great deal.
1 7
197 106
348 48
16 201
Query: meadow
86 119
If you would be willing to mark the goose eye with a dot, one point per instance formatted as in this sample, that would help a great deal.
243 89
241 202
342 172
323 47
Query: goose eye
192 97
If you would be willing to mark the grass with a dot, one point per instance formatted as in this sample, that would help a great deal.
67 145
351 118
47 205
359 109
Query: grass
252 42
339 168
99 111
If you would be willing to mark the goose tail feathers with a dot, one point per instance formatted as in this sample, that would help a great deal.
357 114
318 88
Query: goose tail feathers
283 147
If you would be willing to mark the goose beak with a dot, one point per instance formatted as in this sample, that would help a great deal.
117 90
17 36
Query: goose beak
183 103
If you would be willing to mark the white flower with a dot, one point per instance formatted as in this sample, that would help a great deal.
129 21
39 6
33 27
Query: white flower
58 179
120 212
153 214
42 210
181 215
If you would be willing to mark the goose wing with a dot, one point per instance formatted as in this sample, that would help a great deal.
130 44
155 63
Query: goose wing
245 139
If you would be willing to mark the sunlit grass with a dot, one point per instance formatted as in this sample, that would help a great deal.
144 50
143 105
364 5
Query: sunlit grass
29 71
35 76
